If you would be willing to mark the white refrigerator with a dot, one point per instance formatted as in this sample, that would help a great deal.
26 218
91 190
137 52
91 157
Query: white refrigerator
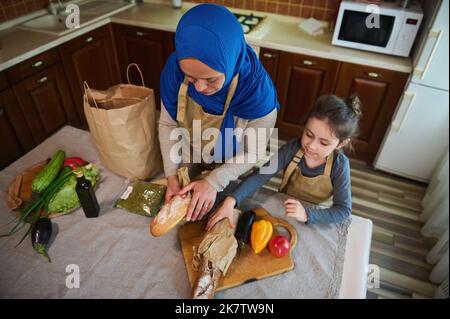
417 138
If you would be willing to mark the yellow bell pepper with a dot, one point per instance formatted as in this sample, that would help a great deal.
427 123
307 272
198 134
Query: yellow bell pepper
261 234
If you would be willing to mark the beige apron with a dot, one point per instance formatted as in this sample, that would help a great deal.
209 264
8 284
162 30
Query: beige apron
316 190
188 111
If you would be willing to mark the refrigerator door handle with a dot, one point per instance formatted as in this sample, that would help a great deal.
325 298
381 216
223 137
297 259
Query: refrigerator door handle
398 126
433 34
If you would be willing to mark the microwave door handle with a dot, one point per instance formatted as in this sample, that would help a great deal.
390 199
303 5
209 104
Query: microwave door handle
432 34
398 126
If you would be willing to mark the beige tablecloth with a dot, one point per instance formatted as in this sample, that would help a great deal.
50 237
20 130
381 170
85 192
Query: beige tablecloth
118 258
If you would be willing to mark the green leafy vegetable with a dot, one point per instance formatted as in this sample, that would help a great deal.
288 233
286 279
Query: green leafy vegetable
66 198
31 213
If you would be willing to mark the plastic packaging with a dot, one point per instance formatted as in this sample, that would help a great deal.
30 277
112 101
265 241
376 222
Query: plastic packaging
142 198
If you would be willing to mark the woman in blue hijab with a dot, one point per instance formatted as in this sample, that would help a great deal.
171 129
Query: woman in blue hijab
214 77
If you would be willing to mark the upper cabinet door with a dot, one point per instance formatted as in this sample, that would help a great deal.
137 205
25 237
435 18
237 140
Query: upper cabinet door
46 102
149 49
379 91
91 58
300 81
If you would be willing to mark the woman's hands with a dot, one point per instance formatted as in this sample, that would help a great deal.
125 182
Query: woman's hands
203 198
173 187
224 211
295 209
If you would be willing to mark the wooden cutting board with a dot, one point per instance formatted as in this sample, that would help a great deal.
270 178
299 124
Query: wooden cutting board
19 191
250 266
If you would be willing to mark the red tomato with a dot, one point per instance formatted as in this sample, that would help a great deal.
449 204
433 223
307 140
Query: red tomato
279 246
74 162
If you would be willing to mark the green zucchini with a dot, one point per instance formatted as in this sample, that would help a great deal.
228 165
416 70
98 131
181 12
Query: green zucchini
49 172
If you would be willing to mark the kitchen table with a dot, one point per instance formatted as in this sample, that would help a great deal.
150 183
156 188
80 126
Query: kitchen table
116 257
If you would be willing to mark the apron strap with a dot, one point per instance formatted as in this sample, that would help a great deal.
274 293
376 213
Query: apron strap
182 98
231 91
291 168
329 165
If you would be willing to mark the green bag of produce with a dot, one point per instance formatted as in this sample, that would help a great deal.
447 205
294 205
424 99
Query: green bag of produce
143 198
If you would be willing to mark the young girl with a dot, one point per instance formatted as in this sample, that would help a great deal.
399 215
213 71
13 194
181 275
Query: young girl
315 167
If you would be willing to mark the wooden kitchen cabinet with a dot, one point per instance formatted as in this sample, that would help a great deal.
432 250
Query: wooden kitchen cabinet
91 58
38 103
300 81
15 135
379 91
269 59
46 102
32 66
148 48
3 82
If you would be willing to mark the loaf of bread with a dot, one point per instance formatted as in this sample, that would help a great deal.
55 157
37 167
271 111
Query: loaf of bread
170 215
207 281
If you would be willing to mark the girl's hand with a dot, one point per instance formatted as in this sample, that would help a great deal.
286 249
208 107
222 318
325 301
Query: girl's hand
295 210
224 211
203 198
173 187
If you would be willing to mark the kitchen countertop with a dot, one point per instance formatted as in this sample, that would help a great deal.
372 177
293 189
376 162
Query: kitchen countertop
279 32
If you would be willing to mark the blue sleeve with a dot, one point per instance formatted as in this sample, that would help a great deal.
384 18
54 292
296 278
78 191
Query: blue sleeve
257 179
342 196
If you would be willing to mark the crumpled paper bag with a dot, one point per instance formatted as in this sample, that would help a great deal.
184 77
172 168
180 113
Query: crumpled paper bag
213 256
219 245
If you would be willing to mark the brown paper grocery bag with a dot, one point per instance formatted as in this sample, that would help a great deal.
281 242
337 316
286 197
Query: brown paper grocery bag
122 122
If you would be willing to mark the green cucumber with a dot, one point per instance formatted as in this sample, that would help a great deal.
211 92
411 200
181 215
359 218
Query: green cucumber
44 178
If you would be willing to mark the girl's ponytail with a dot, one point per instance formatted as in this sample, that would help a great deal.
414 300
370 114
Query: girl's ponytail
354 103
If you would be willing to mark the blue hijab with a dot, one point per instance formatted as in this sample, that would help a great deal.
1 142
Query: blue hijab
211 34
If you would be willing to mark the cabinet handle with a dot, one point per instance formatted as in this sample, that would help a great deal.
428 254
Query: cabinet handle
37 64
140 33
89 39
42 80
374 75
308 62
398 127
269 55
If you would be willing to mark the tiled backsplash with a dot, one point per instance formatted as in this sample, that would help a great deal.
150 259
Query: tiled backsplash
10 9
325 10
319 9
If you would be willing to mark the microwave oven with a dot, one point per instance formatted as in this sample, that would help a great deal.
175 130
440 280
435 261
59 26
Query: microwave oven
379 26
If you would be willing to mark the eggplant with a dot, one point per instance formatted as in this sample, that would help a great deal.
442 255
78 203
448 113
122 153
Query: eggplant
243 229
40 236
